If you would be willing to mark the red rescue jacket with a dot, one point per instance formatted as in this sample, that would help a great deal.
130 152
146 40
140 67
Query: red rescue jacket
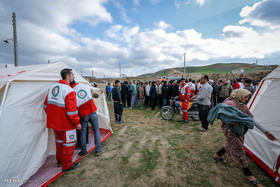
184 92
61 107
85 101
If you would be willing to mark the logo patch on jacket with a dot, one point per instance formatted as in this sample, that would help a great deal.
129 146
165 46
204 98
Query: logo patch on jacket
82 94
55 91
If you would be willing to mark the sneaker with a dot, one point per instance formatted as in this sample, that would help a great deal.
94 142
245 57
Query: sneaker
185 121
59 164
82 154
74 166
116 121
120 122
99 153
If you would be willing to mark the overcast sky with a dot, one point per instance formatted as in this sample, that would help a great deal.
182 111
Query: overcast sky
143 35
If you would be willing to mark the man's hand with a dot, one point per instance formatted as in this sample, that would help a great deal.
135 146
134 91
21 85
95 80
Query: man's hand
79 127
270 136
121 103
193 97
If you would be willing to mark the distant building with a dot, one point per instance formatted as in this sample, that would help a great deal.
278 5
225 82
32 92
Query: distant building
237 71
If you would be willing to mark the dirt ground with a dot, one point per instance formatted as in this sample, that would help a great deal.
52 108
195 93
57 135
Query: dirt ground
149 151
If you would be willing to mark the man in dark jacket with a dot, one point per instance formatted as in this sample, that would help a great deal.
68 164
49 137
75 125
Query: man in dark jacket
248 86
153 94
170 90
176 89
118 108
164 91
124 92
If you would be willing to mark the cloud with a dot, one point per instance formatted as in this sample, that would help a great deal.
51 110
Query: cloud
121 34
154 2
136 2
139 50
177 4
200 2
122 11
265 13
162 25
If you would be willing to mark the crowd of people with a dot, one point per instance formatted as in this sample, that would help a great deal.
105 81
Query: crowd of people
209 95
158 93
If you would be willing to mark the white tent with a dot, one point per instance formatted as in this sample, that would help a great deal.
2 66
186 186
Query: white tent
25 141
265 106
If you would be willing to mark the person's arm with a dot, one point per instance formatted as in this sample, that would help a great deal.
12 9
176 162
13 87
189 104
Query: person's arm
119 96
71 108
268 134
201 95
188 92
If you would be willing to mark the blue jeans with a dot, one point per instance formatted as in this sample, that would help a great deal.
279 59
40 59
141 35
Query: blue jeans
164 102
133 100
93 120
109 96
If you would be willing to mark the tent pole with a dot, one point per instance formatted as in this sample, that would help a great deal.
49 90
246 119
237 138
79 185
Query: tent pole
4 96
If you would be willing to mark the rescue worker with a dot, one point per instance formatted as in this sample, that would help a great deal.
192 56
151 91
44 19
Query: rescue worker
184 96
192 87
87 113
62 116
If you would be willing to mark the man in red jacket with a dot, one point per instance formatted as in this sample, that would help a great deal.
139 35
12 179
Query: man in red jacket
87 112
184 95
62 116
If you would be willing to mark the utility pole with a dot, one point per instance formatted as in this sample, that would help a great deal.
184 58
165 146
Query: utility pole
49 61
92 73
184 65
15 39
120 71
81 71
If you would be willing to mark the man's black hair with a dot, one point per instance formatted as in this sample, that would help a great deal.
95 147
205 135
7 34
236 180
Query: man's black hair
248 81
117 81
183 79
109 83
190 80
206 77
65 72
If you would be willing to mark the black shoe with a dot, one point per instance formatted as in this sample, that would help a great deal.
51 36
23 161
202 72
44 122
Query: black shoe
59 164
82 154
185 122
74 166
120 122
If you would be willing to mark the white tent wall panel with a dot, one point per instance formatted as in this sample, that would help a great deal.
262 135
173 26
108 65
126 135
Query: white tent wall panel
23 131
266 109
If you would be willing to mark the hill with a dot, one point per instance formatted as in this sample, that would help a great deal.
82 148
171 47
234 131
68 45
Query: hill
214 68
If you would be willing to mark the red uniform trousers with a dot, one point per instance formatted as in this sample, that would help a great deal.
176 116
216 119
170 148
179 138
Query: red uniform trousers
185 105
65 146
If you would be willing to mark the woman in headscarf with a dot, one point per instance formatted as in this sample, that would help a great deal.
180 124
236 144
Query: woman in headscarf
234 146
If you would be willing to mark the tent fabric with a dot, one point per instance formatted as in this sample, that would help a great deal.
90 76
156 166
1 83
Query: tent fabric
23 122
264 105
